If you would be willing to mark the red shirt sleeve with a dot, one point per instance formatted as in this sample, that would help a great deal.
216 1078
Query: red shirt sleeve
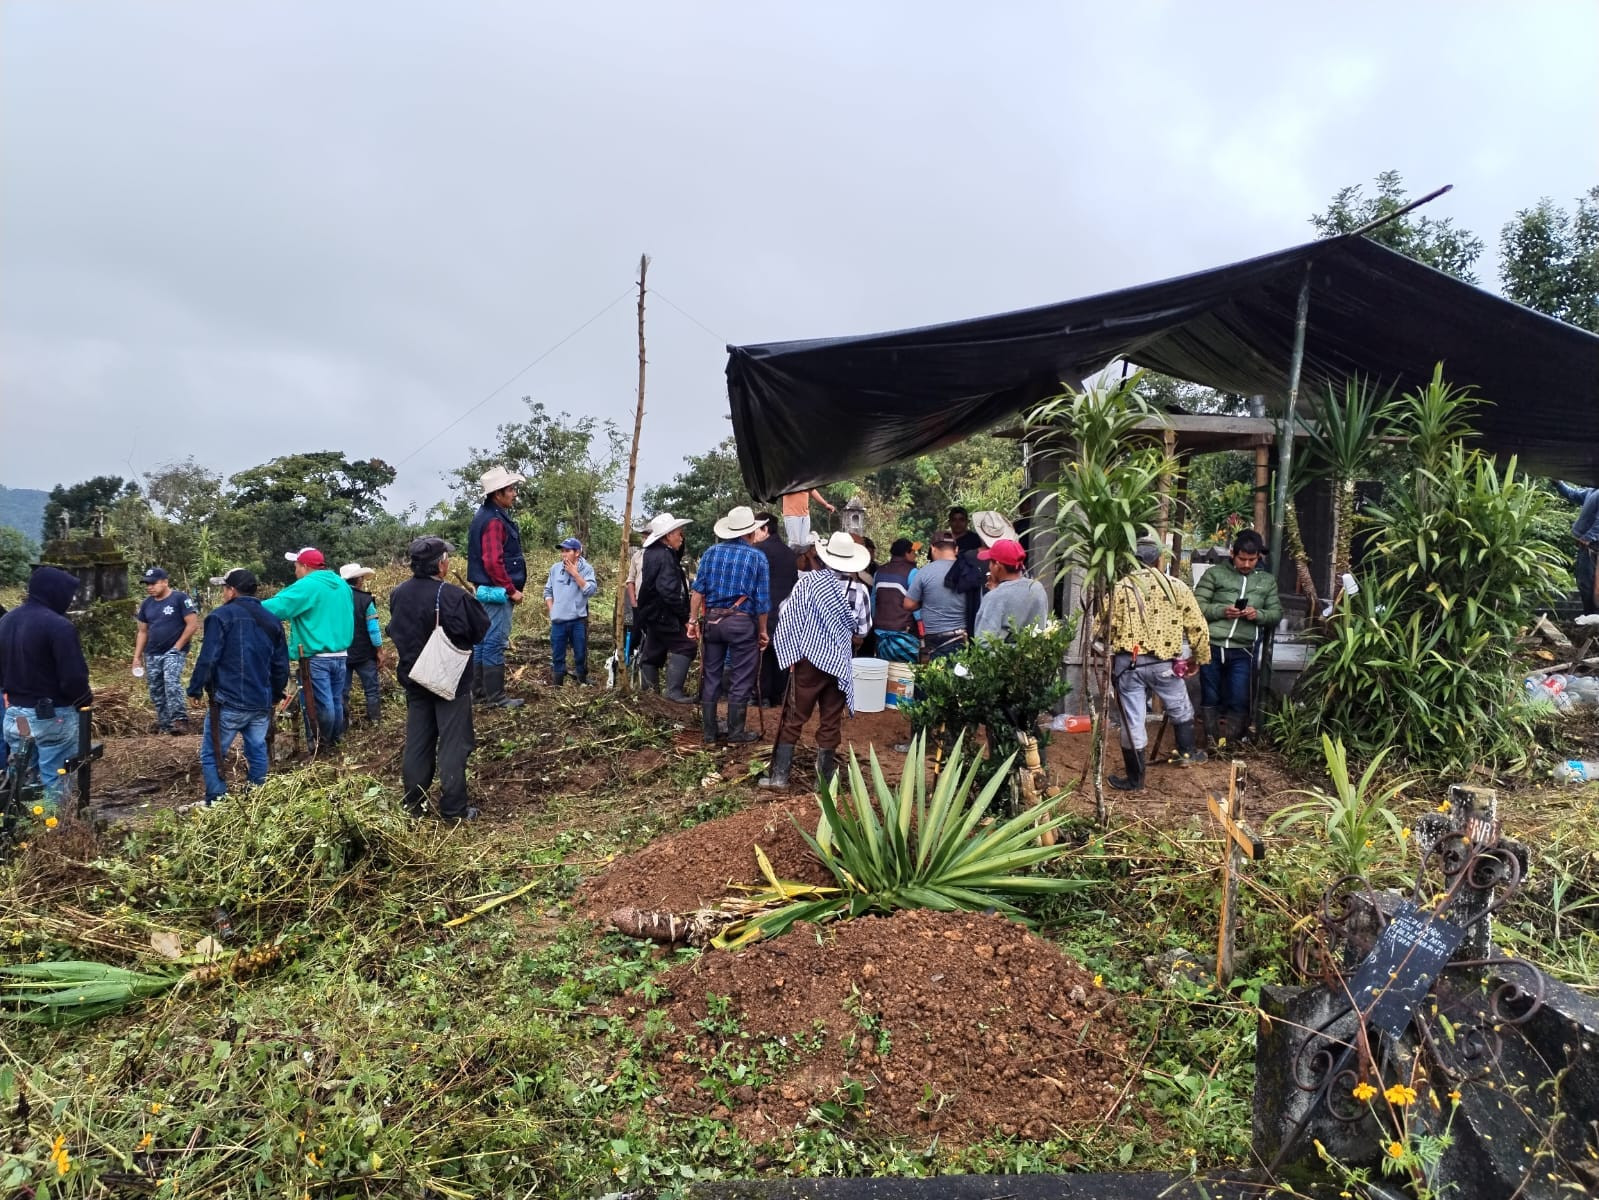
494 556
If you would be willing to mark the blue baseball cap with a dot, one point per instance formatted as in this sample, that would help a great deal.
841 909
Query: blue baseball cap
572 544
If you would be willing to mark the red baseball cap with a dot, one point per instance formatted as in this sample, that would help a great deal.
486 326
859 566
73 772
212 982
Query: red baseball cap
310 556
1005 552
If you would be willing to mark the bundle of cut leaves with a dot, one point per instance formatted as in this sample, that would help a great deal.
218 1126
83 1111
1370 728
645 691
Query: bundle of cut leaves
891 850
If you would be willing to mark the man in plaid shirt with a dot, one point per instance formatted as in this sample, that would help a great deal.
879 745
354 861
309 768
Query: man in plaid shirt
732 589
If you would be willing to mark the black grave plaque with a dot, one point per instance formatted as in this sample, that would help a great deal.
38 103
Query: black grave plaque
1395 976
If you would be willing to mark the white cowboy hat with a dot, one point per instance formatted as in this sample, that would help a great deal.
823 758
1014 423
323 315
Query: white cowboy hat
496 478
992 527
351 571
737 523
661 525
842 554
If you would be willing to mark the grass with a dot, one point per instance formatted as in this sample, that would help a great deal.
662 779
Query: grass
382 1053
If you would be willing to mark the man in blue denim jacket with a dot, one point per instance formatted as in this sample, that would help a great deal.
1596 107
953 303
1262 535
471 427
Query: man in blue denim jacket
566 599
1586 531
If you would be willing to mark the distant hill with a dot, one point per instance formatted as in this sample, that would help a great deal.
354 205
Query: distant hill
23 509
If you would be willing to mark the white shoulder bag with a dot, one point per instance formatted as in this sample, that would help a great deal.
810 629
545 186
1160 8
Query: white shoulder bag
440 666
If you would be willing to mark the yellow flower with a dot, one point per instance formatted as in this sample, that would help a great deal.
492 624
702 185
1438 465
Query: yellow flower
155 1107
1455 1096
1443 806
1396 1150
38 810
51 822
1364 1091
300 1136
1099 981
1404 834
1400 1094
144 1142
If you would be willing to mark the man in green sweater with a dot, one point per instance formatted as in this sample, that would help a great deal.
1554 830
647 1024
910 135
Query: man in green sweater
1239 602
321 616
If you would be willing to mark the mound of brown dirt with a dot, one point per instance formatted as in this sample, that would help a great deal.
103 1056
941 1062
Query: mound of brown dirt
691 869
954 1024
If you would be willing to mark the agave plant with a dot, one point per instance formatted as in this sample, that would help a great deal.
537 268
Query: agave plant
892 850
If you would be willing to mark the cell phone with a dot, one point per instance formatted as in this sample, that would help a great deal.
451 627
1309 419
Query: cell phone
46 710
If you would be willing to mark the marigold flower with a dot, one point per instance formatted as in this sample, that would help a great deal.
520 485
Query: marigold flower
1364 1091
1444 806
1396 1149
1455 1095
1099 981
144 1142
155 1107
38 810
51 822
1400 1094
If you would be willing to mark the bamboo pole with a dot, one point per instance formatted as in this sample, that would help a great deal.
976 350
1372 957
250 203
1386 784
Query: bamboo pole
1285 429
1262 483
622 680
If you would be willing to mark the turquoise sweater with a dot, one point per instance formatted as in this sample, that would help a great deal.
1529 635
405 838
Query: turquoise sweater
319 611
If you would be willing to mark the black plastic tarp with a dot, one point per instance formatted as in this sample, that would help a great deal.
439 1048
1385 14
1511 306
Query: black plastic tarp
811 412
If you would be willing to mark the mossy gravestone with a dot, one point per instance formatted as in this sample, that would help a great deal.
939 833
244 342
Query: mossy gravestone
1422 1042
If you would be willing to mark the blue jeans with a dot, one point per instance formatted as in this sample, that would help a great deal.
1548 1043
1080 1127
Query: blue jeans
1224 680
55 739
163 675
490 652
367 673
328 685
573 633
235 721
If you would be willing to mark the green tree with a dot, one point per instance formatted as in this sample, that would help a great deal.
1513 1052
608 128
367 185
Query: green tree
320 499
984 471
79 502
1438 243
18 553
571 465
1549 260
710 484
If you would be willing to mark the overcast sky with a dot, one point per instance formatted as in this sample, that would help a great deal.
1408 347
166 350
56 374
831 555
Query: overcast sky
238 230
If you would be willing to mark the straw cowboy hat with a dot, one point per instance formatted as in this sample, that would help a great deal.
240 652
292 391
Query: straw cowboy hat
842 554
662 524
992 527
496 478
737 523
351 571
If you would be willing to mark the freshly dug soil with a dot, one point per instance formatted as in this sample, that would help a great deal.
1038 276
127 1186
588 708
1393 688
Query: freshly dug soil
955 1024
691 870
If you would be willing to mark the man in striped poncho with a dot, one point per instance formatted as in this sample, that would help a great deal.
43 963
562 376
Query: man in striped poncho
822 622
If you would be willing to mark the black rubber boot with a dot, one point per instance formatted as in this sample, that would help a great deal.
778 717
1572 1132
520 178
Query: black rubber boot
826 768
710 732
1210 716
676 676
649 678
1187 752
782 763
1133 781
494 689
478 694
1237 726
736 733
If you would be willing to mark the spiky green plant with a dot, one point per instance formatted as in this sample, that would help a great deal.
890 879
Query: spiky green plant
1352 816
893 850
70 993
1343 447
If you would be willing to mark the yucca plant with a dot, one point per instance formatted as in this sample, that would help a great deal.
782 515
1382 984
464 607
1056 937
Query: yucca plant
893 850
1352 816
1343 447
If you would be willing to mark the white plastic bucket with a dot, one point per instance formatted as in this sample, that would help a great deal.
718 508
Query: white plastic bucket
901 684
871 684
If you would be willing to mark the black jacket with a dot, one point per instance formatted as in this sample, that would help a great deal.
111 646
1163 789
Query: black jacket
244 657
40 655
662 591
783 572
411 619
361 648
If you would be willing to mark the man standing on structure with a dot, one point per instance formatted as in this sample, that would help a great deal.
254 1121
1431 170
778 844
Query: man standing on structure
732 588
496 567
797 515
168 621
1152 615
1240 603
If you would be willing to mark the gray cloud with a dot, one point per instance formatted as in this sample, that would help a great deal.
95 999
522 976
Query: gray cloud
241 230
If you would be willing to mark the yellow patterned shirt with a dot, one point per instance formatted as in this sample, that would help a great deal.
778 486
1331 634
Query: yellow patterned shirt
1152 613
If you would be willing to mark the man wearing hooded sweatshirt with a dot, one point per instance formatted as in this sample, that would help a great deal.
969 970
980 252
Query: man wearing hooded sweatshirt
321 616
1240 602
44 676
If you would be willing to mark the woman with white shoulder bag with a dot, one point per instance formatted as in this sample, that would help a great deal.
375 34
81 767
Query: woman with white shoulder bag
434 625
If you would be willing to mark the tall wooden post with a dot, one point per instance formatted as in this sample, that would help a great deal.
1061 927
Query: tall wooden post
1163 489
623 681
1285 429
1262 482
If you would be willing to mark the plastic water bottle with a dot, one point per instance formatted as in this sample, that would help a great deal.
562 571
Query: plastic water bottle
1071 723
1575 770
